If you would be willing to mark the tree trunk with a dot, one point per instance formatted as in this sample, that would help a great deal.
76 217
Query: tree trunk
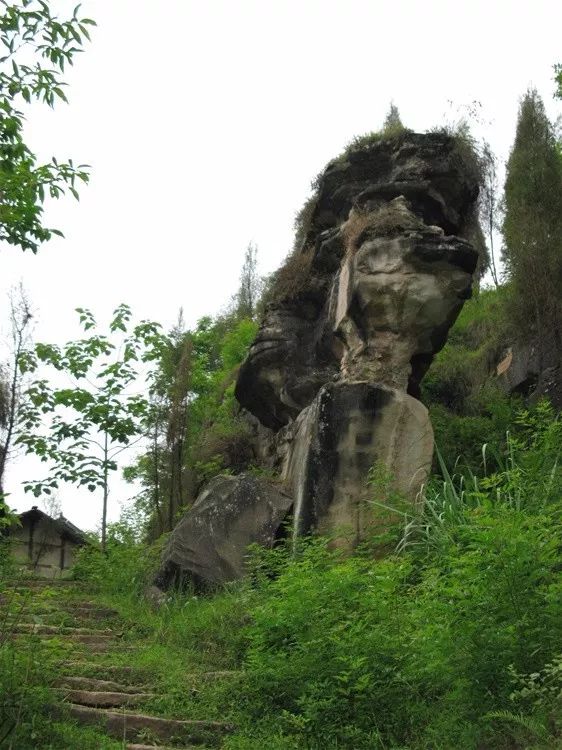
156 460
105 495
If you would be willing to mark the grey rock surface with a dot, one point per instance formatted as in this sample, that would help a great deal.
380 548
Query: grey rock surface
209 545
348 429
391 264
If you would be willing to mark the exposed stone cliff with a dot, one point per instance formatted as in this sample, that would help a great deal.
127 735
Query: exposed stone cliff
387 247
359 311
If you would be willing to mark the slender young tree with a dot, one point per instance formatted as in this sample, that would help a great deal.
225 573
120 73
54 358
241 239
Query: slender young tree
489 204
11 376
177 423
81 430
155 421
392 121
161 469
532 224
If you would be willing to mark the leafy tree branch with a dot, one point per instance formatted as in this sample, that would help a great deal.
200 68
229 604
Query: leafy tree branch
80 431
36 47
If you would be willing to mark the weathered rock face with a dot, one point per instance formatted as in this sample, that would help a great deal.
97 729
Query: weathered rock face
333 375
347 429
397 295
390 266
209 545
336 366
524 369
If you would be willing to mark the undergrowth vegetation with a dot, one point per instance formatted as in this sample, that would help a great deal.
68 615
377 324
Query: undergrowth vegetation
29 667
452 641
467 403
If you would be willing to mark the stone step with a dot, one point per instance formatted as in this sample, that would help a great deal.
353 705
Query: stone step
94 684
98 613
104 699
93 645
99 648
122 672
93 607
67 618
62 630
217 675
36 591
84 608
129 725
87 640
43 583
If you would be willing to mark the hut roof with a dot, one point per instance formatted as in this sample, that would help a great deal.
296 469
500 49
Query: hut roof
67 529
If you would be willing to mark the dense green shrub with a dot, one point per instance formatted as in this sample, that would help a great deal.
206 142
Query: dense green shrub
420 649
125 567
459 437
461 369
6 560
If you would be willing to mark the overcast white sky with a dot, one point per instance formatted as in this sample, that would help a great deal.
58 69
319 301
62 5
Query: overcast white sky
205 121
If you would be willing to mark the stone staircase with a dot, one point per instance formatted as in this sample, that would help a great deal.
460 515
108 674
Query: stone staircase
102 694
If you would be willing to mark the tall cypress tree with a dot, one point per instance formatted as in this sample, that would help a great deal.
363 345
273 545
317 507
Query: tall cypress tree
251 285
532 225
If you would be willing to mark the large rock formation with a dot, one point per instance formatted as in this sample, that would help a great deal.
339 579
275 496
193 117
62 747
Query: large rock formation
359 311
389 236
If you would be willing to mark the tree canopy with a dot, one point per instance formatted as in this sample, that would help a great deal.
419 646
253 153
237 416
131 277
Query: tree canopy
532 223
79 430
35 47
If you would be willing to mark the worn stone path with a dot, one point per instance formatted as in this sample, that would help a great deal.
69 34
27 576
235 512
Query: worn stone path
100 693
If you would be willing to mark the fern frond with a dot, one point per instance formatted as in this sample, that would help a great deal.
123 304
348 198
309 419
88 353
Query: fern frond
527 722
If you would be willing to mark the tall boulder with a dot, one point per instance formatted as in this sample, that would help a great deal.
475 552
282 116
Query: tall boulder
349 428
336 366
358 313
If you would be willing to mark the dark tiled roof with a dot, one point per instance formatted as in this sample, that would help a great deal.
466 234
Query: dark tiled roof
64 526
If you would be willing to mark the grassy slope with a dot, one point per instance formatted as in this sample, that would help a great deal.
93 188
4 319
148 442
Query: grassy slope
447 645
29 667
412 652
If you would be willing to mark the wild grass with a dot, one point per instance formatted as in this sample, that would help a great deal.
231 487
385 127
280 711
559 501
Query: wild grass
452 640
29 667
291 278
